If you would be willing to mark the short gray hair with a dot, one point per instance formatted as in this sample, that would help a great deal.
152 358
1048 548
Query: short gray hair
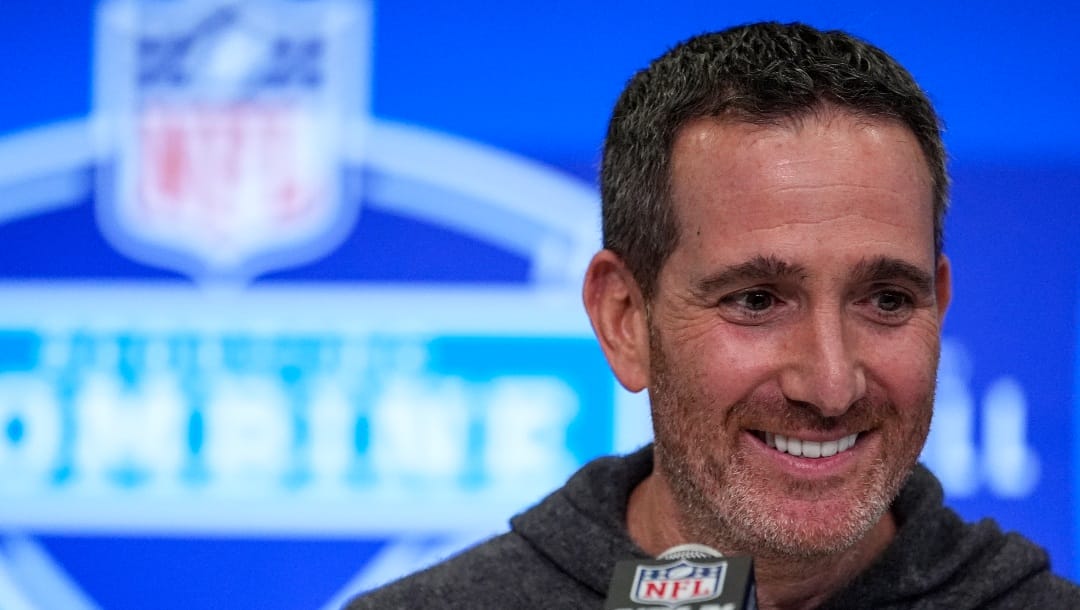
757 73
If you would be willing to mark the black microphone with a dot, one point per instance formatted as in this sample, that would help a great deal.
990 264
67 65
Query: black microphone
685 577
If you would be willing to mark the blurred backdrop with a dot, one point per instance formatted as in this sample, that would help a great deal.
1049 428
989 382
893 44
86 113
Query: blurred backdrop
289 290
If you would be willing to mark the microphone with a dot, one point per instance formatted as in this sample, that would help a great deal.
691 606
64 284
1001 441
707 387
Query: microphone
685 577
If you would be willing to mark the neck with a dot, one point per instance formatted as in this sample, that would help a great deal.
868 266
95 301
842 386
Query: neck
784 582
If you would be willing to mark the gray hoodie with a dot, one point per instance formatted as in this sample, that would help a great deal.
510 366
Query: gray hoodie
561 553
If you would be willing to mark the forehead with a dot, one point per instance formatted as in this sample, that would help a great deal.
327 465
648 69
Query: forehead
825 177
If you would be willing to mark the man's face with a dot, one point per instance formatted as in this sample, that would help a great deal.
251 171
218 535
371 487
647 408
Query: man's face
794 336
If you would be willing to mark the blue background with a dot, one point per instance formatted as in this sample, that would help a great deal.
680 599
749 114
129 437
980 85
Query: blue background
538 79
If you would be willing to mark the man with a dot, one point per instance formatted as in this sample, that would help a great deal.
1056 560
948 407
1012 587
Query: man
772 273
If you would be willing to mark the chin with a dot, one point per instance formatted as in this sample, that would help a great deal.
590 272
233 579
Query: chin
810 534
731 512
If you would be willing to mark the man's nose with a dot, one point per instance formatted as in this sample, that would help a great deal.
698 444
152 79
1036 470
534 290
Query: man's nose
823 368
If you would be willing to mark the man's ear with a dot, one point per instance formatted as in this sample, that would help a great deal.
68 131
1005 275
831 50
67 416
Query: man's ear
616 309
943 286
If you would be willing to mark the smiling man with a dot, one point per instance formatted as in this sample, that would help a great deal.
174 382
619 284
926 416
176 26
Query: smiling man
790 346
773 275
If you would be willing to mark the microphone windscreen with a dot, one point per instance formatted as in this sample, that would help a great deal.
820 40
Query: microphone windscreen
690 550
687 577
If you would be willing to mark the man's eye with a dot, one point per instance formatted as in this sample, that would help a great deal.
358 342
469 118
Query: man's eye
891 301
755 300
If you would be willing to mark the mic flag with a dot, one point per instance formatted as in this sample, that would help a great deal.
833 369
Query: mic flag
687 577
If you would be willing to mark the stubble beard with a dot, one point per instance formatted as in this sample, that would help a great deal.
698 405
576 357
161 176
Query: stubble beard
724 504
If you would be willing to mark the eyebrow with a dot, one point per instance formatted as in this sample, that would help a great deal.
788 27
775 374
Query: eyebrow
758 269
884 268
771 268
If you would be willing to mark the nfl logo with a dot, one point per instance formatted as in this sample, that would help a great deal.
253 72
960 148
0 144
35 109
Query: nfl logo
222 127
678 583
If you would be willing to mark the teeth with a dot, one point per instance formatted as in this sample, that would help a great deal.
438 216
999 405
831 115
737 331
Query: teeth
809 449
794 446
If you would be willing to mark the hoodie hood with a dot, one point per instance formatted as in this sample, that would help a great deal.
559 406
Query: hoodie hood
936 559
939 560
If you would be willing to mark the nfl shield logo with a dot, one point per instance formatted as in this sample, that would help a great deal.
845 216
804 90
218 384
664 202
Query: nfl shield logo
678 583
221 127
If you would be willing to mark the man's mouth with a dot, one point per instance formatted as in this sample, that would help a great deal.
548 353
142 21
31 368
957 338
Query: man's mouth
807 449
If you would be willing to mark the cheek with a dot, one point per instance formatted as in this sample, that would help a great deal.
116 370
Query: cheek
724 368
908 374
